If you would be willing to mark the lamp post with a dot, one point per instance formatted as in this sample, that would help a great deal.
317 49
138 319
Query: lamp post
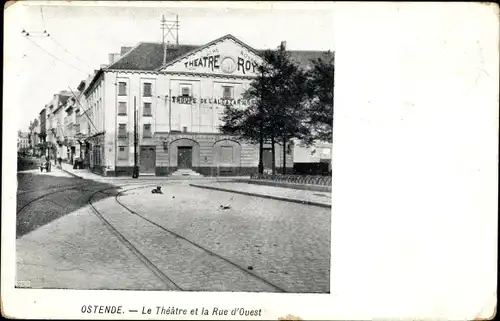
135 173
169 97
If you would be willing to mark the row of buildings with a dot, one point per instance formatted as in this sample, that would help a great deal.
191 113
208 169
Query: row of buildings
175 96
23 141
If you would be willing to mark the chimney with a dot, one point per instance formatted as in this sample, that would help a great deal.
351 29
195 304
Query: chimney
113 57
124 50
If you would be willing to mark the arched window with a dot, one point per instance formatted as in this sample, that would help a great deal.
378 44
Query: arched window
227 153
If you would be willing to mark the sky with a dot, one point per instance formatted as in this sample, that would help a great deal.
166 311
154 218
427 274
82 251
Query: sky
83 34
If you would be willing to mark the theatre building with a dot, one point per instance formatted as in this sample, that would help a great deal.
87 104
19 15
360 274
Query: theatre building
179 93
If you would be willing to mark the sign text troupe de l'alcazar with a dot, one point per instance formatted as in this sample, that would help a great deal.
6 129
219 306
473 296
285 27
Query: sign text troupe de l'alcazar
214 61
217 101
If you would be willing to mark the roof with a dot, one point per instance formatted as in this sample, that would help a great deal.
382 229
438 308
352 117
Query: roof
303 58
63 98
148 56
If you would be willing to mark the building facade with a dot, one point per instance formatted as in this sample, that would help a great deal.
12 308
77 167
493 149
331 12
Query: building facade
23 141
179 95
54 124
42 118
82 125
34 136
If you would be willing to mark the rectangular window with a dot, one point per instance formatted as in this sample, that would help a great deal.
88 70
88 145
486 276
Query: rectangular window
122 152
186 91
147 89
146 130
147 109
122 108
122 89
227 92
226 154
122 130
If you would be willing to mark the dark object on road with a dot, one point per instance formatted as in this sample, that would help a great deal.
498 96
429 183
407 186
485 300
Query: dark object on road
157 190
173 196
225 207
250 267
45 165
78 163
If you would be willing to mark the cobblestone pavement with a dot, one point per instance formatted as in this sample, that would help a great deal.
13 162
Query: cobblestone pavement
285 243
254 244
78 252
189 267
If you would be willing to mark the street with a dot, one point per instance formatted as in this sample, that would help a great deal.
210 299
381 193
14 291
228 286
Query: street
76 233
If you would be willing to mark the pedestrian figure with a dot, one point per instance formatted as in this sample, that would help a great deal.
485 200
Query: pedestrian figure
45 165
59 159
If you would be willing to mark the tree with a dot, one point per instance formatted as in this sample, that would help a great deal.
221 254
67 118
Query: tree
251 124
290 110
278 111
320 84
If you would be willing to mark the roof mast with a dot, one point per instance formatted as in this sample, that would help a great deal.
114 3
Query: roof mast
169 26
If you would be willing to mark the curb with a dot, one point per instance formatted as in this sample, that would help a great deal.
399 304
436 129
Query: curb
303 187
68 172
291 200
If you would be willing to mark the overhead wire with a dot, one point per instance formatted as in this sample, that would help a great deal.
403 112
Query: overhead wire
60 46
53 56
43 20
84 111
57 43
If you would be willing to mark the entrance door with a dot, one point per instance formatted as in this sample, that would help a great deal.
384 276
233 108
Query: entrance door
184 157
267 159
147 159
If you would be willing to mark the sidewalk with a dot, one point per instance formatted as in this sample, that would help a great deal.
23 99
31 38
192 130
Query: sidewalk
80 173
87 174
315 198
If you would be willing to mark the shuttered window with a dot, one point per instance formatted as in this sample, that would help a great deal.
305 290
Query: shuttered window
147 109
122 152
226 156
227 92
122 89
147 89
122 108
146 130
122 130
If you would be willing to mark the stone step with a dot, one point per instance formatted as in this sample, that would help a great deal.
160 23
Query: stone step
185 172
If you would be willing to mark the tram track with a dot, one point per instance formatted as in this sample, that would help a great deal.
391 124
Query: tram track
150 265
60 190
166 279
22 211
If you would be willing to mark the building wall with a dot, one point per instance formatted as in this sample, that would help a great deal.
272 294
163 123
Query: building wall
95 104
22 140
43 120
179 118
314 154
195 123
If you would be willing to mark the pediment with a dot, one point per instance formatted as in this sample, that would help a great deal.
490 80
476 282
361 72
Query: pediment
225 56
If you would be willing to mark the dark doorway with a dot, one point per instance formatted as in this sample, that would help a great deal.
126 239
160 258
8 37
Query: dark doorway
184 157
147 159
267 158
